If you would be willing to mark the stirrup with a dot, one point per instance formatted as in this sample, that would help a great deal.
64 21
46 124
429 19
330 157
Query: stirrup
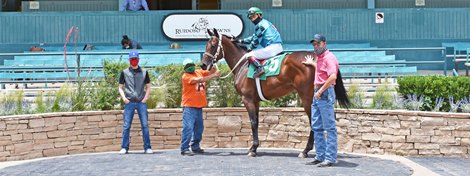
258 74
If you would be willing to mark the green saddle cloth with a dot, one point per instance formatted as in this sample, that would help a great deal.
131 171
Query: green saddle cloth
272 67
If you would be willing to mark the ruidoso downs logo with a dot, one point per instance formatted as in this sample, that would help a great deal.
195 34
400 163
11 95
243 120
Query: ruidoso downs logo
194 26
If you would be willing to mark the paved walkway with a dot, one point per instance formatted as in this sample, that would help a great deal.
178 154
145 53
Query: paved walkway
217 162
445 165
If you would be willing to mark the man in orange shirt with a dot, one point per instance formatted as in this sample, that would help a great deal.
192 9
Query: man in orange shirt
193 100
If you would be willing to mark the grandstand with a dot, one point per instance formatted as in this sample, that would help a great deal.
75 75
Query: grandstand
27 69
361 45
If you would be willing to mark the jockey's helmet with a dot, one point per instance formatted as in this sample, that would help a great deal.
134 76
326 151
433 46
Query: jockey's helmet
253 11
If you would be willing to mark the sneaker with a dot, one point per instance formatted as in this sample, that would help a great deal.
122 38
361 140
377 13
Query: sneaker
187 153
314 162
148 151
123 151
326 164
198 151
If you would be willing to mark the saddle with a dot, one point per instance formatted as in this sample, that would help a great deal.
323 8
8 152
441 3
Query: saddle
272 66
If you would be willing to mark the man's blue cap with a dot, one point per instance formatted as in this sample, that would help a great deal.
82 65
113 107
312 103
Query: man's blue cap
318 38
133 54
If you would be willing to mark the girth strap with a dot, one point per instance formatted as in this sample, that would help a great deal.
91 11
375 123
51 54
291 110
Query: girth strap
258 88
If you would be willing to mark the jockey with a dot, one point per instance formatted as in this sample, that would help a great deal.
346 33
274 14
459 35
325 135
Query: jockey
265 35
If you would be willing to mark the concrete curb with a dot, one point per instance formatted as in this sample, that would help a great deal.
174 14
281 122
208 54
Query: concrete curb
417 169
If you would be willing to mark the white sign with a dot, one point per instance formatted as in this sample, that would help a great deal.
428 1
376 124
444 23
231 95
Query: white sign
194 26
34 5
379 17
277 3
420 2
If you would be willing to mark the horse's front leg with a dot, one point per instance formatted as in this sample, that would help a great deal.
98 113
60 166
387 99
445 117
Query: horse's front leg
306 94
253 111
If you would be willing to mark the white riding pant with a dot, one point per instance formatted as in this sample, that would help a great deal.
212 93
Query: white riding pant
264 53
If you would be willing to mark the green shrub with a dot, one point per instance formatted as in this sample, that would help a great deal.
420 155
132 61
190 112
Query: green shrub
40 106
433 87
7 104
112 71
104 96
356 96
382 98
18 97
63 99
80 96
49 100
223 90
14 103
156 97
171 84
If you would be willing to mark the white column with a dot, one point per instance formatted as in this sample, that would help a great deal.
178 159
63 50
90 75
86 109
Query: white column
194 4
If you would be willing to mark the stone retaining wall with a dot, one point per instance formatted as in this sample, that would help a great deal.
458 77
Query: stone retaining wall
360 131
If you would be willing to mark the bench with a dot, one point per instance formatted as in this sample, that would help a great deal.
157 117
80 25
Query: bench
376 71
47 77
459 52
290 46
388 58
358 53
49 74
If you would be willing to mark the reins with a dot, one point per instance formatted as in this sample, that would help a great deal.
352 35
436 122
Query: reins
220 48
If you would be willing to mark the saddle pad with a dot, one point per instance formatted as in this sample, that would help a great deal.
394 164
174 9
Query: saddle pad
272 67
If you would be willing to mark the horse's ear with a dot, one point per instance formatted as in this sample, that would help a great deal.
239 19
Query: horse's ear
216 33
210 32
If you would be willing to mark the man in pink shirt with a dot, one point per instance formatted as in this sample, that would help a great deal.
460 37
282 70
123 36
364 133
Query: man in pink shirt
323 114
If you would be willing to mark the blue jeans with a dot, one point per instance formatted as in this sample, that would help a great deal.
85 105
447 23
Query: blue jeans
193 126
128 116
323 119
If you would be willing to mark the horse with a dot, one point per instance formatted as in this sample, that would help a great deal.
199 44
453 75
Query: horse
293 76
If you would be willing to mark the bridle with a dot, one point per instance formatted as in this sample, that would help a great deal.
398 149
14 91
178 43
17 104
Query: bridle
220 49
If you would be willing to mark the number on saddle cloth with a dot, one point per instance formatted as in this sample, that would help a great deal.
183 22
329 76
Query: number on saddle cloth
272 67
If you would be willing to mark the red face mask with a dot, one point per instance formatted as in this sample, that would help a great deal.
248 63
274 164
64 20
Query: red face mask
134 62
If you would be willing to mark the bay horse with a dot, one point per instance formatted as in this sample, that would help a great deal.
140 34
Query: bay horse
293 76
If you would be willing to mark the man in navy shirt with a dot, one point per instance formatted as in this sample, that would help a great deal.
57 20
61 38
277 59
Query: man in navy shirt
134 5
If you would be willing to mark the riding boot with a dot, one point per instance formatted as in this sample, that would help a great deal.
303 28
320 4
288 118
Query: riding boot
259 67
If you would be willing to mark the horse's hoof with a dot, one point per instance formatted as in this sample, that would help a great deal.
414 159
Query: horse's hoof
251 154
303 155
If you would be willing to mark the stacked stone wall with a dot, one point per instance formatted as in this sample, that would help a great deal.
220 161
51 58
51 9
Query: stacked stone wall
359 131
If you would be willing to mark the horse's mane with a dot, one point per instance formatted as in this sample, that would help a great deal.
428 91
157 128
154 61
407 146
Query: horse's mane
239 46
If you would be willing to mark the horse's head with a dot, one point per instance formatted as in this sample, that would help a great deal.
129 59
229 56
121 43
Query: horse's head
214 50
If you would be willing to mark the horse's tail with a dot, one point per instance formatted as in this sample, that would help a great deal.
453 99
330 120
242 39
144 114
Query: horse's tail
340 92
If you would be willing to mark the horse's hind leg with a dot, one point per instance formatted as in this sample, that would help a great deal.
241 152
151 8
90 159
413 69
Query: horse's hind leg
307 97
253 112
